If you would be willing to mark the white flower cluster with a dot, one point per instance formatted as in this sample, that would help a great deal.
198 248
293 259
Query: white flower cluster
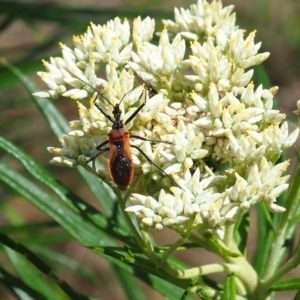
202 19
203 201
220 136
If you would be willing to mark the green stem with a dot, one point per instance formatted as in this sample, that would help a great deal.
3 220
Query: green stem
184 235
286 225
229 236
246 274
142 237
291 264
274 254
202 242
148 247
128 220
200 271
144 240
171 249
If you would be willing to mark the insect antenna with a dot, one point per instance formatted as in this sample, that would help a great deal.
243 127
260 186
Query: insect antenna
98 94
126 95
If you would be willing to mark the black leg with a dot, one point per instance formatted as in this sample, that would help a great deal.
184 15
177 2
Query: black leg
102 144
159 168
94 172
97 154
102 110
153 141
93 157
136 111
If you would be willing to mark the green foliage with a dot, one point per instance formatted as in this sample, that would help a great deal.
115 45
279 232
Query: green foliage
229 288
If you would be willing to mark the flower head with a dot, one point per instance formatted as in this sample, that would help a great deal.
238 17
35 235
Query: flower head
206 127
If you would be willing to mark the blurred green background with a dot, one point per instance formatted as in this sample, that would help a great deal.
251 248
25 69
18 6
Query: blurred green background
31 30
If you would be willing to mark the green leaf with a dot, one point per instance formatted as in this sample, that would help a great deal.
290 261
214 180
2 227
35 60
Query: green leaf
170 287
297 152
229 288
32 278
220 248
27 231
49 238
297 296
54 118
74 15
70 199
66 262
128 283
264 242
86 233
292 203
262 76
241 230
23 261
286 285
25 228
19 287
7 79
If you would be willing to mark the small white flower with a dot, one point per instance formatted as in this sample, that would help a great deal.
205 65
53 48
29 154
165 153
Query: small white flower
202 18
143 30
158 63
72 147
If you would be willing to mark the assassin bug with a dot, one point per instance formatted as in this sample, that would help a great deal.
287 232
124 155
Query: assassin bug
120 164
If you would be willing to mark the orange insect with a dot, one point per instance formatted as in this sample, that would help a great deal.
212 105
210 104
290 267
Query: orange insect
120 164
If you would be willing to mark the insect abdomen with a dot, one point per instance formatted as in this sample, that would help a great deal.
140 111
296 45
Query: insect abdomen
121 171
120 162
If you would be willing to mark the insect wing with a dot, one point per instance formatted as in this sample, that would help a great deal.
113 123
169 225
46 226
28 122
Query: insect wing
120 163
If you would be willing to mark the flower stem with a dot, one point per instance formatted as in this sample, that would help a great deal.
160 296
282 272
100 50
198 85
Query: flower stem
128 220
291 264
245 273
286 225
184 235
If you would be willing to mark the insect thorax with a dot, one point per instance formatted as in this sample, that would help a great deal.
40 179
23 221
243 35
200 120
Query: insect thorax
119 144
117 125
117 134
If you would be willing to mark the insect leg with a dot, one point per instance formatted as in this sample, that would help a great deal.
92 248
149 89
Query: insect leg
102 110
93 157
149 140
159 168
97 154
136 111
99 147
